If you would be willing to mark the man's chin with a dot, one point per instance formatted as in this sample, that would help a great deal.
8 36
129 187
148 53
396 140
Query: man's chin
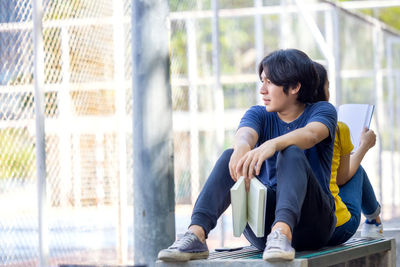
269 109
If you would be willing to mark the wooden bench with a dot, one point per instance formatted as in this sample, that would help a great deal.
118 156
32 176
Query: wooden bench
355 252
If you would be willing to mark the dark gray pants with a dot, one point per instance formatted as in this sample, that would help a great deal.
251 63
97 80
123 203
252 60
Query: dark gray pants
298 200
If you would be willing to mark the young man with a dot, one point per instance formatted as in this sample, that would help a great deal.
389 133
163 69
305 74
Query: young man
288 144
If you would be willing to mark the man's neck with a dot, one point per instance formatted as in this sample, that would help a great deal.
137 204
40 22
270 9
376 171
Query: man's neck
292 113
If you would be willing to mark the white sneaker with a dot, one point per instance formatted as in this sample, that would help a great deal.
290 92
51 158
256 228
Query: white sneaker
371 230
278 247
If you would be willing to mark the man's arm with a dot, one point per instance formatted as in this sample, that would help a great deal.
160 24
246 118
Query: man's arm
304 138
245 140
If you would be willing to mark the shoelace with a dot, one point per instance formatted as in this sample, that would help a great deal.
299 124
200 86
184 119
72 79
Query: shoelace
275 239
184 241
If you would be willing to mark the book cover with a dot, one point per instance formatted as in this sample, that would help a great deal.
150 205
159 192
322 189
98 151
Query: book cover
248 208
356 117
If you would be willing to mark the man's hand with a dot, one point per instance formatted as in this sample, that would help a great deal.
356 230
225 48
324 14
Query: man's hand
252 161
237 154
245 139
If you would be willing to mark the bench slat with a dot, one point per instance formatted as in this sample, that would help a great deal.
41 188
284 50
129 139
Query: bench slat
382 250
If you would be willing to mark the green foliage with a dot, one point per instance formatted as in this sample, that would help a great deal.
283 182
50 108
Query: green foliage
17 159
240 96
389 15
358 90
188 5
178 48
237 40
183 188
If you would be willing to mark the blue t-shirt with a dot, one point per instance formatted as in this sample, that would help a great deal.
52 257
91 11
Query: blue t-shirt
268 125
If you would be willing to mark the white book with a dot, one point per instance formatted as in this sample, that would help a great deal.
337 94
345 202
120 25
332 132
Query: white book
248 207
356 117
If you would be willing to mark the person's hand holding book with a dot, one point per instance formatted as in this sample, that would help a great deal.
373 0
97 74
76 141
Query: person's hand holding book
367 139
237 154
250 164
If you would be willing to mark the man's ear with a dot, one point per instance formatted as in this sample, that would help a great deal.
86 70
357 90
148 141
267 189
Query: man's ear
295 90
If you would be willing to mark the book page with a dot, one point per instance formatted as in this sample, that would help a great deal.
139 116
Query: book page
256 204
369 114
356 117
239 207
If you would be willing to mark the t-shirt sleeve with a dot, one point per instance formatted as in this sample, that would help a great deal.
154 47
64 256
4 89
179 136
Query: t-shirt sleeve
325 113
253 118
344 138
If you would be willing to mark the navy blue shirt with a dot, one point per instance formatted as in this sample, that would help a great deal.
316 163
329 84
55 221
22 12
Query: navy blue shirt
268 125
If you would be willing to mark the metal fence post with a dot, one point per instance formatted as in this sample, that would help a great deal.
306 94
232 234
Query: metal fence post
284 27
120 103
391 99
154 205
38 74
332 39
259 44
218 95
379 113
397 82
65 118
193 108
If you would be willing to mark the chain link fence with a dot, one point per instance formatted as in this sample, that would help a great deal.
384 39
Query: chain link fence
88 110
84 100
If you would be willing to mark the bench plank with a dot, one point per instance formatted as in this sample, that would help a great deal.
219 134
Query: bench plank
379 250
349 251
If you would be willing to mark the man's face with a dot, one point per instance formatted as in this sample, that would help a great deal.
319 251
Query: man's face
275 100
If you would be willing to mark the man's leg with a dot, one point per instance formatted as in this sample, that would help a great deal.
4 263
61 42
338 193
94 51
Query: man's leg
302 204
213 200
259 242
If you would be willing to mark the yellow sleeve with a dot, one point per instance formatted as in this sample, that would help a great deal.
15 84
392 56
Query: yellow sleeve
345 140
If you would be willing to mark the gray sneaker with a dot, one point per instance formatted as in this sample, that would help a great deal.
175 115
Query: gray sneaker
189 247
278 247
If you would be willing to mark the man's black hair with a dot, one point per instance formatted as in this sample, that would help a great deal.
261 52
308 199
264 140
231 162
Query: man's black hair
320 94
289 67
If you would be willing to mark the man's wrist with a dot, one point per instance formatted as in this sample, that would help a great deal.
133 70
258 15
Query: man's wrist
241 146
272 143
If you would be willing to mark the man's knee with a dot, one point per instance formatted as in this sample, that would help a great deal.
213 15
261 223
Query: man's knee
290 154
227 153
225 158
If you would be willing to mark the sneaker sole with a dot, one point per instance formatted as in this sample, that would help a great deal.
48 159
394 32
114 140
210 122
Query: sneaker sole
278 256
174 256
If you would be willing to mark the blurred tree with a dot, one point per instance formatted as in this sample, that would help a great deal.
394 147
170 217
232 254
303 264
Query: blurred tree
389 15
18 153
